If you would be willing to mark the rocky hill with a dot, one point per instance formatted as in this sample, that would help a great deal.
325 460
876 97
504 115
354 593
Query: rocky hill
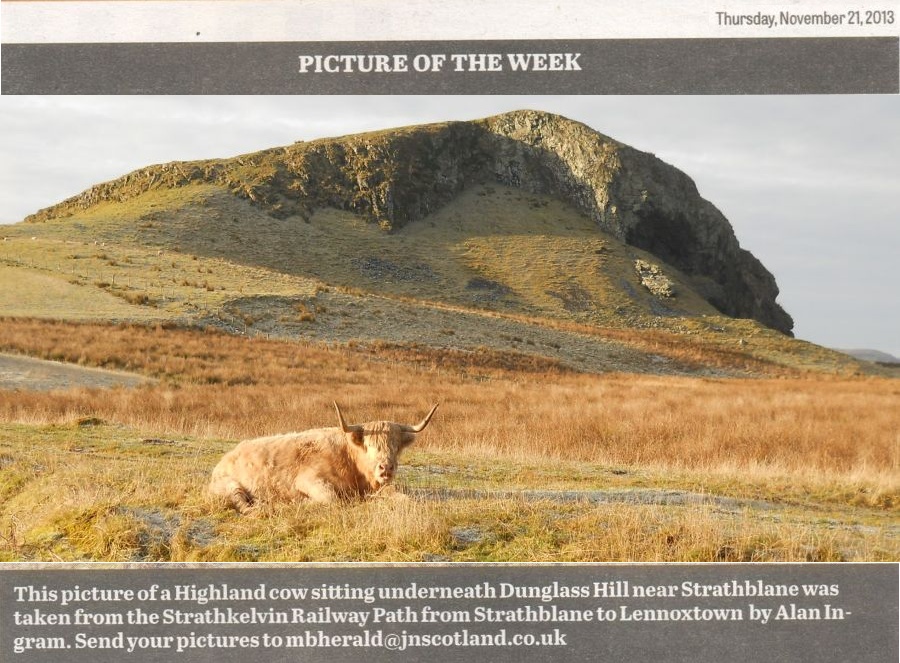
398 177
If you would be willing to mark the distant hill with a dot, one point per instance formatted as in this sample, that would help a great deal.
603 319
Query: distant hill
525 233
872 355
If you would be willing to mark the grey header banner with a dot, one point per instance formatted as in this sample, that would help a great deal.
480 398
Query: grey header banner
515 613
618 66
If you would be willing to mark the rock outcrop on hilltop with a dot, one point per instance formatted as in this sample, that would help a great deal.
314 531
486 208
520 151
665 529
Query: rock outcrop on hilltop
397 176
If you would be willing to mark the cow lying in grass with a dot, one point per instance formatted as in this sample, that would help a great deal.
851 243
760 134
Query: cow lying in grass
323 464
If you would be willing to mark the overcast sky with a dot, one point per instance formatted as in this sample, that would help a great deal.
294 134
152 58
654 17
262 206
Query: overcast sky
811 184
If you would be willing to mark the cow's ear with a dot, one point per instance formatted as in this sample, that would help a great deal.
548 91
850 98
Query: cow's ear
406 439
358 438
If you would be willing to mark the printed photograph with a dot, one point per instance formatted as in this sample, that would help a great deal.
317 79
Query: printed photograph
449 329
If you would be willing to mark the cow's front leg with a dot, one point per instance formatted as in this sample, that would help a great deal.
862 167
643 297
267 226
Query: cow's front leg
315 489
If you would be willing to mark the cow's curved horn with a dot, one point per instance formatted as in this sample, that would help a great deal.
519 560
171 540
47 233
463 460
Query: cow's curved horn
419 427
344 426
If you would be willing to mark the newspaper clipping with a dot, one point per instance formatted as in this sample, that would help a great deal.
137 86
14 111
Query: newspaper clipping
362 331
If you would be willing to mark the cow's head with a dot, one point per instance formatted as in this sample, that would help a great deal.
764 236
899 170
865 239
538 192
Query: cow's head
382 442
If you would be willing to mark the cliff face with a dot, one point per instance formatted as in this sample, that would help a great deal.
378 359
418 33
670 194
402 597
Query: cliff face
643 201
398 176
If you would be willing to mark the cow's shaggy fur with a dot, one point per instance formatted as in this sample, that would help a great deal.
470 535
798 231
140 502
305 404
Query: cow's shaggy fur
323 464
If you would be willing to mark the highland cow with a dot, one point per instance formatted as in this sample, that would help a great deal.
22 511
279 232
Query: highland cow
322 465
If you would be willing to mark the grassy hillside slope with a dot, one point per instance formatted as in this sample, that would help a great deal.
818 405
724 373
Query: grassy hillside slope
496 268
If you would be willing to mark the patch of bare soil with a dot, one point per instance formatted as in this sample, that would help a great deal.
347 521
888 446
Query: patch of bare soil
30 374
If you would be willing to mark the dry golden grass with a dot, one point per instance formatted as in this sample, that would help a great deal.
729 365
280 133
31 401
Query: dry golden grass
827 448
233 387
89 492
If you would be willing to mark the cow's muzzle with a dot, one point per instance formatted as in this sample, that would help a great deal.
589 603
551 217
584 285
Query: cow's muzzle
384 472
